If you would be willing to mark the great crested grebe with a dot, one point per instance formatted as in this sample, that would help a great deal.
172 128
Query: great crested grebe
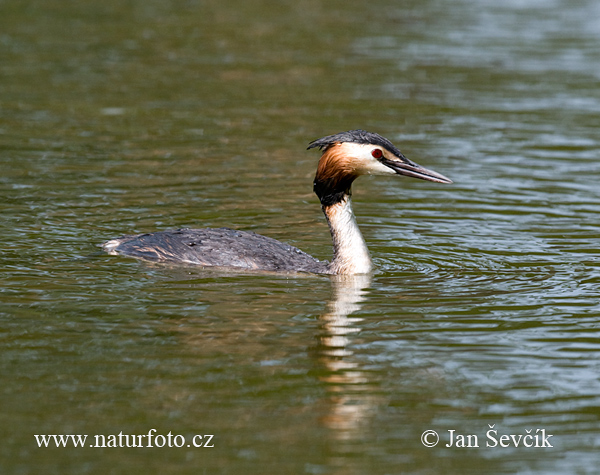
345 157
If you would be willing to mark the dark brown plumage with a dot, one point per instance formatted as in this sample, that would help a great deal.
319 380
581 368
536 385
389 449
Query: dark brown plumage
221 247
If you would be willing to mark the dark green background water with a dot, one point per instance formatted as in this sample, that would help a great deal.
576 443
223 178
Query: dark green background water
123 117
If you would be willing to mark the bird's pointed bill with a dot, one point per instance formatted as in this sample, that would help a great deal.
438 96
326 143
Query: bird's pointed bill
416 171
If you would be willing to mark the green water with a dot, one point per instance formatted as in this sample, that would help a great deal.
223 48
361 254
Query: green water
125 117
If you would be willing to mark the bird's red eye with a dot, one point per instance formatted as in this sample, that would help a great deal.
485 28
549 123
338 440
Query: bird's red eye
377 153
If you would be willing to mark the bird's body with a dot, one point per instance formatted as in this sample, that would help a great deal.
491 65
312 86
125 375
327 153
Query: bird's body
222 247
346 156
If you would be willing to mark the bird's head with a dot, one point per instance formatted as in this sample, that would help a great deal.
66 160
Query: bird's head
348 155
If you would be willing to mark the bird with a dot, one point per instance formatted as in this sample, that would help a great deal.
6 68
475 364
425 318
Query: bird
345 157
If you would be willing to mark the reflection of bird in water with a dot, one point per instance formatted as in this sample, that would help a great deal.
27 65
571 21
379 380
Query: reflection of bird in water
351 402
346 156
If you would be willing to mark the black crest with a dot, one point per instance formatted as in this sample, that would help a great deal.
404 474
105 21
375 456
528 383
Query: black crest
355 136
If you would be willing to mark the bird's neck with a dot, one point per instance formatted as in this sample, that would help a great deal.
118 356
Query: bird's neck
350 253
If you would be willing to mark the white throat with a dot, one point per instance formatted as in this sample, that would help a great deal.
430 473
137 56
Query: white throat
350 253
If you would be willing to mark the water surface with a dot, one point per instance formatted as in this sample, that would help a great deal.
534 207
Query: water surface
121 118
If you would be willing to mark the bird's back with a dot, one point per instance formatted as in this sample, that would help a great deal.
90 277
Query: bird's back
222 247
